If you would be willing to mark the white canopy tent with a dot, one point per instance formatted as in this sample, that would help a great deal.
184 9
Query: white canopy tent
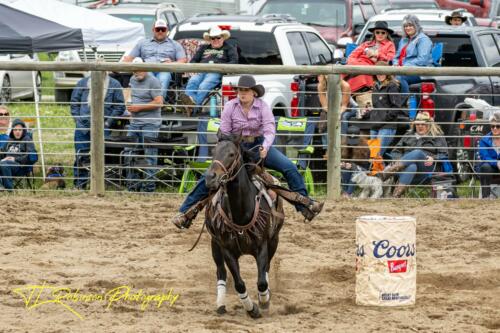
98 28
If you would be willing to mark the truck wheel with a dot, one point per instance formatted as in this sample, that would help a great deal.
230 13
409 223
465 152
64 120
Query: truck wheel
62 95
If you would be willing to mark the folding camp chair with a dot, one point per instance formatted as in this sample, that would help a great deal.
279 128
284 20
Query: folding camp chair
26 179
294 137
207 137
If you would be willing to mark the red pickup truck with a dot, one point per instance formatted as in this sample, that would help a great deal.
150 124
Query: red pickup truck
485 11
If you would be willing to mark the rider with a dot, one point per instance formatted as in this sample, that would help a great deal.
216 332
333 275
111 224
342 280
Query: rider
251 116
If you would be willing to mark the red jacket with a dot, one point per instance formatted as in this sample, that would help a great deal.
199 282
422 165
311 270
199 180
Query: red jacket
386 52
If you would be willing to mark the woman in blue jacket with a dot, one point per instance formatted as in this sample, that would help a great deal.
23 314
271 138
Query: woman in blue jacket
489 154
414 49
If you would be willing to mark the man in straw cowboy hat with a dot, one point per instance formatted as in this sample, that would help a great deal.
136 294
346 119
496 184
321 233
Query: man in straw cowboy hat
455 18
249 116
218 51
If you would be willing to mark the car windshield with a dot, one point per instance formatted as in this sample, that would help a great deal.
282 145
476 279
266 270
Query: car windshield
255 48
315 12
146 20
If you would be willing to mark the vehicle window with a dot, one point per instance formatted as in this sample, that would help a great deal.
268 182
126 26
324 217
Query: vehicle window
382 4
369 11
315 12
146 20
254 47
490 49
299 48
357 15
171 19
317 48
457 51
410 5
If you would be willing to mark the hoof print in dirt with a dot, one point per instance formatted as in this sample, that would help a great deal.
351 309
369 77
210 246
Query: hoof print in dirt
221 310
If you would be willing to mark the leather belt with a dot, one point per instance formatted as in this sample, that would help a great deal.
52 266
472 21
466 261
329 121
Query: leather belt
249 139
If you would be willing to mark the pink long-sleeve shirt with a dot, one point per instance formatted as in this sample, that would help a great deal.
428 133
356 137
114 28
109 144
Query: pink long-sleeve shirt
259 122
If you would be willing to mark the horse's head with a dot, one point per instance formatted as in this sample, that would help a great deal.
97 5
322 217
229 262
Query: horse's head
226 160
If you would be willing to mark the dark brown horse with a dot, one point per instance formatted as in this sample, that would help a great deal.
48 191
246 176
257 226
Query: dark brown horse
241 221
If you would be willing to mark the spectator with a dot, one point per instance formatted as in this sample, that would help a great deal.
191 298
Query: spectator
250 116
4 126
455 18
323 100
159 49
416 152
387 103
114 106
354 151
218 52
379 48
145 123
489 153
414 49
16 155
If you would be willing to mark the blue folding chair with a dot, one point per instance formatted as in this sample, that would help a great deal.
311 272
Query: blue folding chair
437 54
349 47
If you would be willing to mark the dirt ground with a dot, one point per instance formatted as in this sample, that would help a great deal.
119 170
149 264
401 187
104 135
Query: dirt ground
96 245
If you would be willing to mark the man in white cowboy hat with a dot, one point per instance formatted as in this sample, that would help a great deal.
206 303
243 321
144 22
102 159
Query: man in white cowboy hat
159 49
218 51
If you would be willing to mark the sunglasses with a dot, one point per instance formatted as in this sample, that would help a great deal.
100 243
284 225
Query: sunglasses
160 29
380 32
495 126
4 114
215 38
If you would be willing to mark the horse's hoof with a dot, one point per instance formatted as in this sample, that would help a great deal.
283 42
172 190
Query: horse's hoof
221 310
264 306
254 313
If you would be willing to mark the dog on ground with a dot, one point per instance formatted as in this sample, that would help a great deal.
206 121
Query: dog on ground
371 187
55 179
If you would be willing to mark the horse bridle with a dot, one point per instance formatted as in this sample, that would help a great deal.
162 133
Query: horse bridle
228 175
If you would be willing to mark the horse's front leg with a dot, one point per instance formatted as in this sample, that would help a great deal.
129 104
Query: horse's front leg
234 267
221 277
263 277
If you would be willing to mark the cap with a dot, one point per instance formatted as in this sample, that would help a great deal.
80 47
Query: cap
160 24
353 135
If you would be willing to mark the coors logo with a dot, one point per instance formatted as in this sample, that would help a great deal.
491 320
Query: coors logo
397 266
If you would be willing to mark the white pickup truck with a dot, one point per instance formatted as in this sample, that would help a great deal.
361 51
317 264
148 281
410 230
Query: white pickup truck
268 40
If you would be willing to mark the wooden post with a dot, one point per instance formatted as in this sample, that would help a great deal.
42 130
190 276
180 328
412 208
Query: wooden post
333 173
97 133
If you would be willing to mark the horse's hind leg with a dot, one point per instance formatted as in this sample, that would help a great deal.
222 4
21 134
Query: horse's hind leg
263 277
234 267
221 277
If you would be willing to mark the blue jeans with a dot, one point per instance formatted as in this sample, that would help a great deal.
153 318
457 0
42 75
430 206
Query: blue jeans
200 85
165 78
141 131
346 115
385 135
414 162
406 81
347 185
9 169
275 160
82 141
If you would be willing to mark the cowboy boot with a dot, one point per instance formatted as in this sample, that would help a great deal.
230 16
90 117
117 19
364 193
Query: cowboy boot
390 170
311 207
399 190
184 220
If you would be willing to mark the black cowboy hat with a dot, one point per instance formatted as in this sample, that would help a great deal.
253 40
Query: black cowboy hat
381 25
455 13
248 82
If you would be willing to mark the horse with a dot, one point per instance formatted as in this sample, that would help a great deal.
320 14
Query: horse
241 221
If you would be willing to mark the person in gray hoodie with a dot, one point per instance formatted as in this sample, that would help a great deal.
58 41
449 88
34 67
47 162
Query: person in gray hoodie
18 155
414 49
